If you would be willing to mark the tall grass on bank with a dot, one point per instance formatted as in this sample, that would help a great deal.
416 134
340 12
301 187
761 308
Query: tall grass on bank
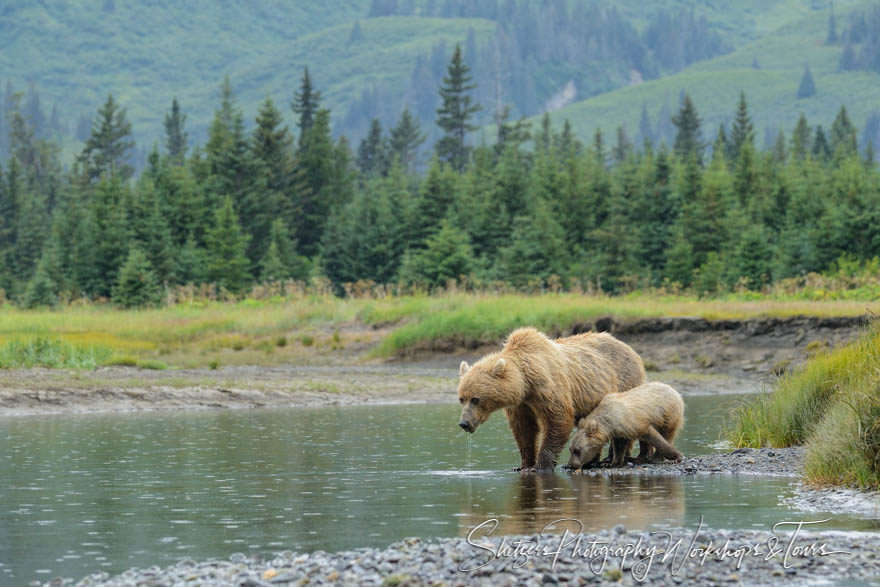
469 320
56 354
197 331
832 406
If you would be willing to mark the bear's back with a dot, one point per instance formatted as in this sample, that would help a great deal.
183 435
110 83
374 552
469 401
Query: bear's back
653 402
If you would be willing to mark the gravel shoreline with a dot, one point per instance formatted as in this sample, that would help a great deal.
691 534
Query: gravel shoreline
610 556
777 462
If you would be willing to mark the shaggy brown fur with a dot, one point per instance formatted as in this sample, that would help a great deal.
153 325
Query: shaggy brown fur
544 385
652 413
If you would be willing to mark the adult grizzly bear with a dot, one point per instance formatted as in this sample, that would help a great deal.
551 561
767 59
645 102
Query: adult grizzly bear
652 413
544 386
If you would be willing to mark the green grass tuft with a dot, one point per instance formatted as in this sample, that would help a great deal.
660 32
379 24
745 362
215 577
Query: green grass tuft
56 354
832 406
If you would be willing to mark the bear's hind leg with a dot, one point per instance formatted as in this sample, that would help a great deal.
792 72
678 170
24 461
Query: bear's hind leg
663 449
524 426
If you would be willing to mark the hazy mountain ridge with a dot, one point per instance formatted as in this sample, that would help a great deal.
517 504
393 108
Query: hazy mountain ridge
77 52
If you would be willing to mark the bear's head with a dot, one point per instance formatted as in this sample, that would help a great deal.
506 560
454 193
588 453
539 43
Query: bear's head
586 446
491 384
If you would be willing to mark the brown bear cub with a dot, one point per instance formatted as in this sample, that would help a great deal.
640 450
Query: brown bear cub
652 413
544 386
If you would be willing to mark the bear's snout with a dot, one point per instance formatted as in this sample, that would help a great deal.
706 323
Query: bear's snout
466 426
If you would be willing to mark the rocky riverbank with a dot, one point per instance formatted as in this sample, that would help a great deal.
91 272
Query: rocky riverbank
784 462
702 557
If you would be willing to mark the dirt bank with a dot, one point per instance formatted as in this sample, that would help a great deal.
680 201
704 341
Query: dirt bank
696 356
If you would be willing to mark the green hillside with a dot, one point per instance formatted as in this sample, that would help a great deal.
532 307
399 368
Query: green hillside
146 53
771 90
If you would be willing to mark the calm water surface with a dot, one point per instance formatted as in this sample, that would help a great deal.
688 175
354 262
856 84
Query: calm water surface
79 493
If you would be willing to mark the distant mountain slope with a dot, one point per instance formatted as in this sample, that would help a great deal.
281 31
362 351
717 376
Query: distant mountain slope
76 52
771 88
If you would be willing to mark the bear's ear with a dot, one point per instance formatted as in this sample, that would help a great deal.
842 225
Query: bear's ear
498 368
463 368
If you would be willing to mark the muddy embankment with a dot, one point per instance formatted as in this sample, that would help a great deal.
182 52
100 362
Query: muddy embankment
693 354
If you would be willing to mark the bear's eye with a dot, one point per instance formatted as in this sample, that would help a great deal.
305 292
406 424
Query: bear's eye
576 452
461 400
475 401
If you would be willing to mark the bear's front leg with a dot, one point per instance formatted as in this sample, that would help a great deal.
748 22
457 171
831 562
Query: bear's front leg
557 430
524 426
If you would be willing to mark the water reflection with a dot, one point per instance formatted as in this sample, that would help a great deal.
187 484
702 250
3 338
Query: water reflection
88 492
535 502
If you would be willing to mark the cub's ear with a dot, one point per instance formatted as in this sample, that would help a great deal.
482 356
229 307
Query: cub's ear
588 426
463 368
498 368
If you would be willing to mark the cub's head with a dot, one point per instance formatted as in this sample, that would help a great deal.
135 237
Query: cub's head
489 385
586 446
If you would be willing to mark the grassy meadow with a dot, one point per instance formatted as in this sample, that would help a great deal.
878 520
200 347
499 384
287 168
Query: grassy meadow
832 406
307 328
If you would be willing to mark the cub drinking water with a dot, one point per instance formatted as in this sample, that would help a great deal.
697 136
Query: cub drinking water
651 413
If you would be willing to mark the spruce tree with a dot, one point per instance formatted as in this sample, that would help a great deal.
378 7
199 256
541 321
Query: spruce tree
136 285
229 158
455 114
437 193
722 143
270 195
356 35
406 138
832 37
654 213
317 173
742 131
306 103
688 140
108 147
752 256
107 235
175 136
40 290
372 155
623 147
446 255
514 134
807 87
226 259
281 261
536 250
780 153
843 134
821 148
32 230
679 258
150 231
801 139
191 262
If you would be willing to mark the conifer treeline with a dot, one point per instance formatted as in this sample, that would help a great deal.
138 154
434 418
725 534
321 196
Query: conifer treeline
537 208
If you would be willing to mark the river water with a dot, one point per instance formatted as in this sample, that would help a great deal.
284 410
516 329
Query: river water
87 492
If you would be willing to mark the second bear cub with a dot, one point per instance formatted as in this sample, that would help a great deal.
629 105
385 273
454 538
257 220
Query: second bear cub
651 413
